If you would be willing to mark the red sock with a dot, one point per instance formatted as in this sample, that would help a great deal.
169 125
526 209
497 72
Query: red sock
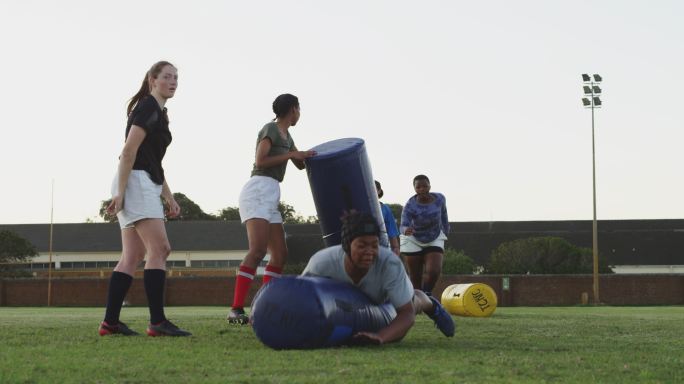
242 282
271 273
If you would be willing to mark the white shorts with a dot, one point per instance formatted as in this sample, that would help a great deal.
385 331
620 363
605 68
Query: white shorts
259 199
409 244
142 199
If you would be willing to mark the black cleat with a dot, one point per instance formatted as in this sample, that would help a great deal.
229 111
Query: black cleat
118 329
237 316
166 328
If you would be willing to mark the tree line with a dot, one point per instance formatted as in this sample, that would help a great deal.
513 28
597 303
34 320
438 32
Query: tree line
189 210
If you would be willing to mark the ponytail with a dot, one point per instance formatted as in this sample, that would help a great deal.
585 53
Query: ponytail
283 104
145 87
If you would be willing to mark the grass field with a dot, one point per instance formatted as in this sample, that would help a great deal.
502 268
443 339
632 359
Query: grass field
516 345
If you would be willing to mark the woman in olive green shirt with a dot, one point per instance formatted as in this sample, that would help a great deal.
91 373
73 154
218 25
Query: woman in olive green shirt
259 200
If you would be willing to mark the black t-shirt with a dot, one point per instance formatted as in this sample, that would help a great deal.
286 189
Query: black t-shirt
149 116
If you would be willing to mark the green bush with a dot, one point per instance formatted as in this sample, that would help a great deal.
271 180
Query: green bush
542 255
457 263
14 249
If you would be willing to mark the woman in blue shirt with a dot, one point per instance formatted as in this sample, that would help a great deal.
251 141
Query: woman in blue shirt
390 222
424 225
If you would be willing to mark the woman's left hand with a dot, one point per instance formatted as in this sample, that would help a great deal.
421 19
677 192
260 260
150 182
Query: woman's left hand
368 338
174 208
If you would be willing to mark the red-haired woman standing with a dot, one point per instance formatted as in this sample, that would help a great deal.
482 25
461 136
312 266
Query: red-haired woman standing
136 192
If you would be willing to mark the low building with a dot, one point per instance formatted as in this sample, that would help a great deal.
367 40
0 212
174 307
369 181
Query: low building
194 244
631 246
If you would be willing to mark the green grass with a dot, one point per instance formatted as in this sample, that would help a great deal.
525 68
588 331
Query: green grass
515 345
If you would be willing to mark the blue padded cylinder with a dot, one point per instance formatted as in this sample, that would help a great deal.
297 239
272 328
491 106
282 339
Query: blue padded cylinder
303 312
341 179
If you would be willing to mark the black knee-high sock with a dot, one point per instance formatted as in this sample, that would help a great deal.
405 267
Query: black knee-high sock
154 287
118 287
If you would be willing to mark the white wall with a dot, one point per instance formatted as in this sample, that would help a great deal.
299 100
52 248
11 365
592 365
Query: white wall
60 257
625 269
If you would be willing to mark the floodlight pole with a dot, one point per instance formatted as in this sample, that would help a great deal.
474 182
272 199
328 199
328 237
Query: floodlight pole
594 224
590 91
52 204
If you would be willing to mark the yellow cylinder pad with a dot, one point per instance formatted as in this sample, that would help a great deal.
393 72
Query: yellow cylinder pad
477 300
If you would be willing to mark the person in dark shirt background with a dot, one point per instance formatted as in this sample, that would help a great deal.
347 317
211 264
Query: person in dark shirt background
390 222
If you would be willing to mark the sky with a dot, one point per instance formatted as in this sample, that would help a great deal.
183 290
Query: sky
483 97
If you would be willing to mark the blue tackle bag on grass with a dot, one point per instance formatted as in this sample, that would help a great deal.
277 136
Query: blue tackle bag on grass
304 312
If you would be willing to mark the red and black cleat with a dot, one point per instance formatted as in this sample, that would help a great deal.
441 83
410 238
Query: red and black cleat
118 329
166 328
